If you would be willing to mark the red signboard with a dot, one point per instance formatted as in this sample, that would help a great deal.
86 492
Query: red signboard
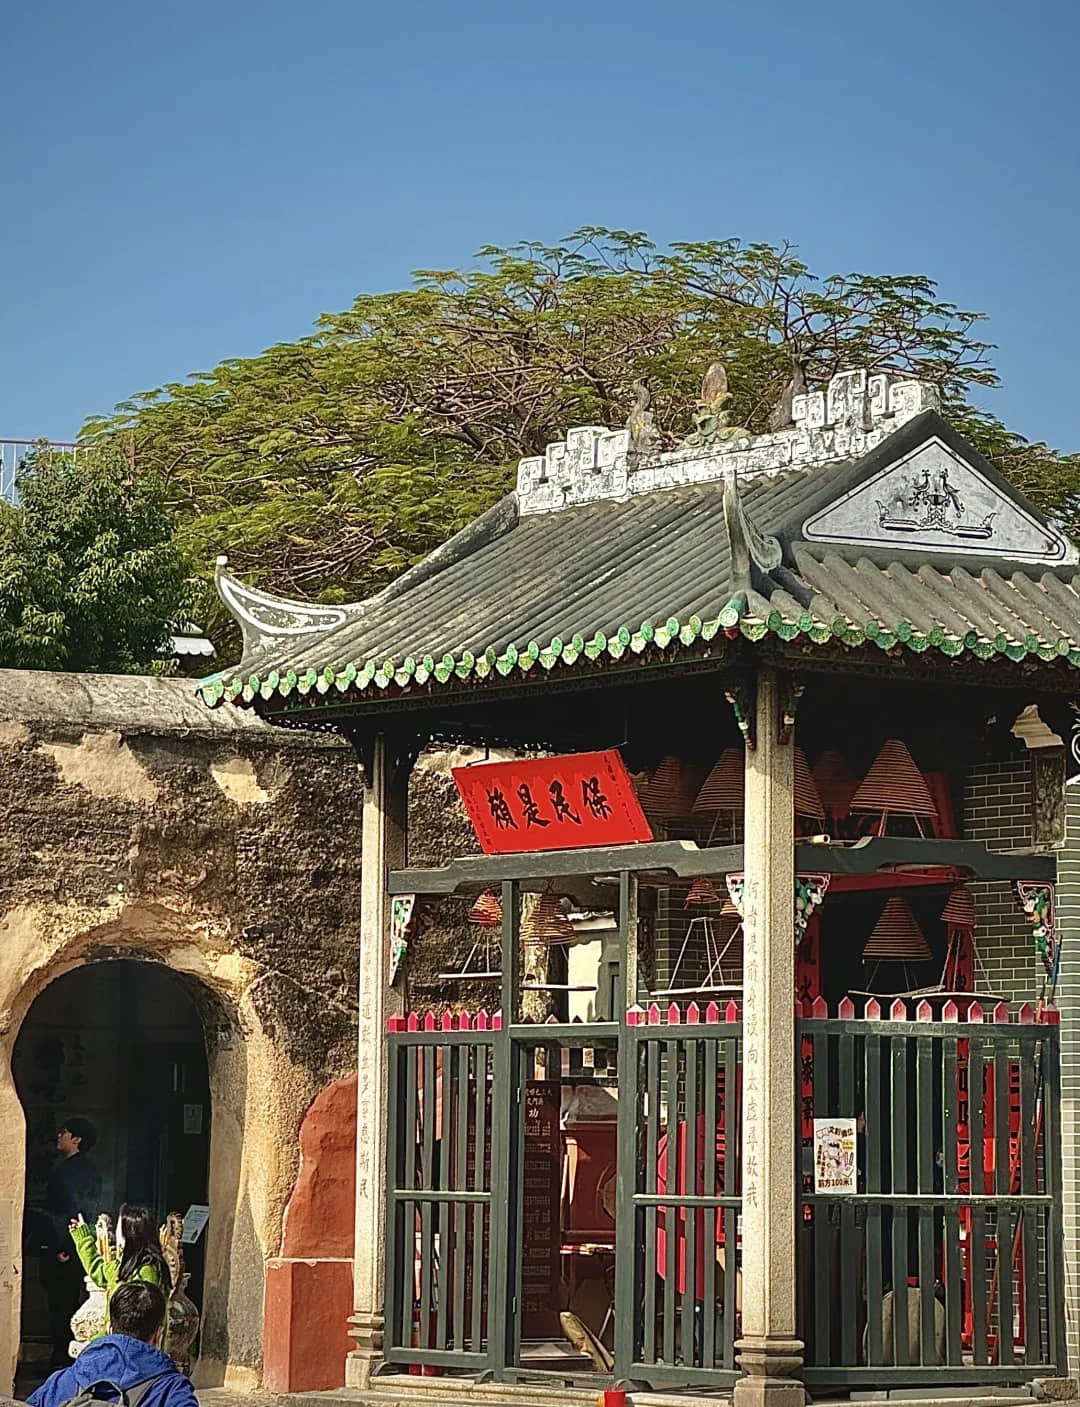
552 803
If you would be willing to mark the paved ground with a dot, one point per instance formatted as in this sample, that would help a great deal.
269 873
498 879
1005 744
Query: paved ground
230 1397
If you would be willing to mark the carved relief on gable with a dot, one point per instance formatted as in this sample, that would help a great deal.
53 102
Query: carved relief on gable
932 499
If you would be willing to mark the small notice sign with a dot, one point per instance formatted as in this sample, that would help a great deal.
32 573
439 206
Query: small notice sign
834 1155
195 1219
552 803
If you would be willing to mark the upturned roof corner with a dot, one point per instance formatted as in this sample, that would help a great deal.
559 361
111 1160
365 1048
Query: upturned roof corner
265 619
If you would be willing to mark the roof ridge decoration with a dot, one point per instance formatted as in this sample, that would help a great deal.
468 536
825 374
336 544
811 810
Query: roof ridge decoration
851 416
748 544
264 618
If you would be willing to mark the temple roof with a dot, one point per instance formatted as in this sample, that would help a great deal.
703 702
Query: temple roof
890 532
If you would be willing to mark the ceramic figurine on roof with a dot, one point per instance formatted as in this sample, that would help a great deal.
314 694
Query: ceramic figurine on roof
711 426
781 417
645 438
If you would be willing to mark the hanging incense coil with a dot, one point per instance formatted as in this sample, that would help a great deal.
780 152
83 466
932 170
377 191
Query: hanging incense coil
729 910
959 910
724 789
548 922
896 937
487 910
640 782
671 791
894 784
702 891
807 800
836 786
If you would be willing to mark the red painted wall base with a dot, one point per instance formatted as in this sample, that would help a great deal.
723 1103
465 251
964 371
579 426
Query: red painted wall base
305 1325
309 1289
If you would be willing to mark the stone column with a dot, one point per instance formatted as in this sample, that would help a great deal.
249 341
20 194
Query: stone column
385 805
769 1352
1068 1001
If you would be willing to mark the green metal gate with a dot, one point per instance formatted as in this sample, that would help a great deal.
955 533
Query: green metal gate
679 1196
944 1261
441 1306
457 1163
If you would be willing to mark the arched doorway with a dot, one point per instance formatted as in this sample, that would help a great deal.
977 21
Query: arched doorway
120 1043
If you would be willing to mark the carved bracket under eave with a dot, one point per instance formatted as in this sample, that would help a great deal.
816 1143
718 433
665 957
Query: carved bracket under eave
264 618
792 690
741 698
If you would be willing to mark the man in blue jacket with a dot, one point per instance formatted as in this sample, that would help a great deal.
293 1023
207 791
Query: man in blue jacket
128 1358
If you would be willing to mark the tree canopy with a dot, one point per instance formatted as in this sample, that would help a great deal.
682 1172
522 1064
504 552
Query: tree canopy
325 466
91 574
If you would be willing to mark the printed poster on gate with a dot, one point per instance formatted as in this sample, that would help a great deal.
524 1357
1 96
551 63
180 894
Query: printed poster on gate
834 1155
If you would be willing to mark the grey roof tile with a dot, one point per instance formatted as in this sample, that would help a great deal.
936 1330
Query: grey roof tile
606 566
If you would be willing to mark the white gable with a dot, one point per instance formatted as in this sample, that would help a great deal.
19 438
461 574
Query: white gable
933 500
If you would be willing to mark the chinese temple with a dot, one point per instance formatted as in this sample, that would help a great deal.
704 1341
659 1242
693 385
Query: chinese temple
727 1054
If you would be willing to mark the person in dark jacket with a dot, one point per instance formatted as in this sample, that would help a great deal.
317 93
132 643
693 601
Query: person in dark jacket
74 1187
74 1183
131 1355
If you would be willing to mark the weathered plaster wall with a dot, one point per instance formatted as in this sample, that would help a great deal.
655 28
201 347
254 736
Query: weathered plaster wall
136 824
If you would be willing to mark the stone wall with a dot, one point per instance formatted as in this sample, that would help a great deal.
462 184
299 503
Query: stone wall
134 823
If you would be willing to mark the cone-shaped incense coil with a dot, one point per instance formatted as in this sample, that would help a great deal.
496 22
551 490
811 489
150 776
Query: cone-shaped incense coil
894 783
959 910
729 910
896 936
640 782
807 801
725 786
702 891
547 923
670 793
835 784
487 911
731 945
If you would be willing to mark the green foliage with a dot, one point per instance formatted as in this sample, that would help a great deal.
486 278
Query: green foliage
324 466
90 572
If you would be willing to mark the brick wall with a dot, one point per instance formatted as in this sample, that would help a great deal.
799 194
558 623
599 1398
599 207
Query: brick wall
999 809
1068 1000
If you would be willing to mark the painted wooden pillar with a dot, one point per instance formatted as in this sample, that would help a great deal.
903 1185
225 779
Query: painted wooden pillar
769 1351
384 835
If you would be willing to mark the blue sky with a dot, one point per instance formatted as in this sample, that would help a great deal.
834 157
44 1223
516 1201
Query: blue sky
191 182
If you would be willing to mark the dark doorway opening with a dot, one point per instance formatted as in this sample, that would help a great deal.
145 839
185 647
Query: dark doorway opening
121 1044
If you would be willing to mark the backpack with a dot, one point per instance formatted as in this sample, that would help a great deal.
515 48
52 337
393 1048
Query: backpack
124 1397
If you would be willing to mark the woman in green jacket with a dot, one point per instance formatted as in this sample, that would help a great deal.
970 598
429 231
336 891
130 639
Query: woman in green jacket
138 1254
